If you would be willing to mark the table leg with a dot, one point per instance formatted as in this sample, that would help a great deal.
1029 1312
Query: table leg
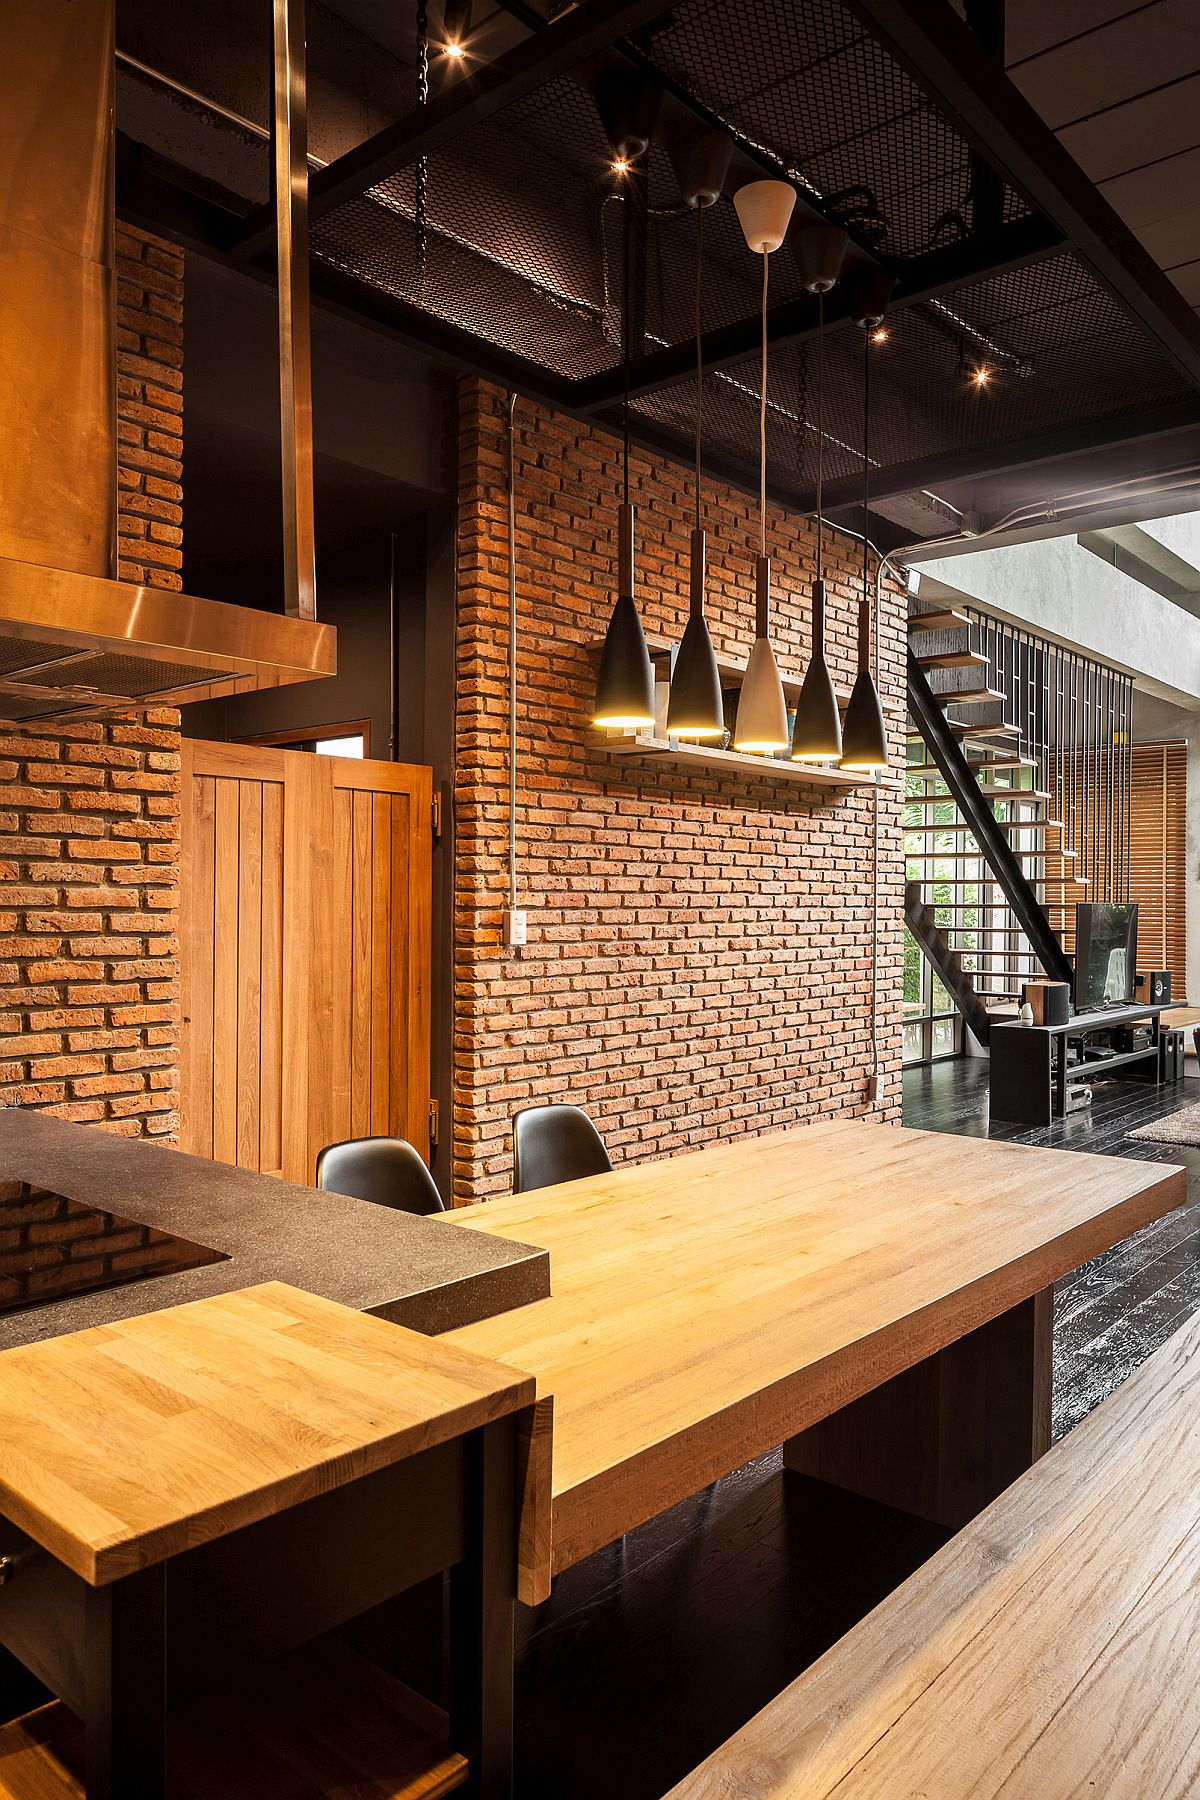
1061 1079
482 1602
125 1687
944 1438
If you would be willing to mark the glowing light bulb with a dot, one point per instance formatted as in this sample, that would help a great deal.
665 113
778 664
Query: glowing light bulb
879 335
620 165
457 51
981 377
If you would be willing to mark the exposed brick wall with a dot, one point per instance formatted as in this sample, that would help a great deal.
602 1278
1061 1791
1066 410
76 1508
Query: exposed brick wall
698 955
89 812
149 409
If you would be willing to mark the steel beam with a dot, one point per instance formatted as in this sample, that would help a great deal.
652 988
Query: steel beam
947 61
925 278
949 466
476 97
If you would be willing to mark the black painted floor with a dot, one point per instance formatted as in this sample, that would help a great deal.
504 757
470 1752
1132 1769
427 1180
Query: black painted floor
1110 1314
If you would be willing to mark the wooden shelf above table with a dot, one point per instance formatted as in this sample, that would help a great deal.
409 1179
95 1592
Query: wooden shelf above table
709 756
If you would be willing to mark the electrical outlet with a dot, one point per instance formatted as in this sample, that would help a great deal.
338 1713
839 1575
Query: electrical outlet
514 927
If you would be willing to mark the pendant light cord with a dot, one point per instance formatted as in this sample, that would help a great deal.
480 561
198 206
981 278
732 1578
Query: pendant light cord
699 351
820 410
626 307
762 422
866 567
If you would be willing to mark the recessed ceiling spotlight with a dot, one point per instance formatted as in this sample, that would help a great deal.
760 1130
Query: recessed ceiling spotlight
620 165
981 376
879 335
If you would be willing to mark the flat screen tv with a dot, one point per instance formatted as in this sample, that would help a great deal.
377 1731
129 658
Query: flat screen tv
1105 954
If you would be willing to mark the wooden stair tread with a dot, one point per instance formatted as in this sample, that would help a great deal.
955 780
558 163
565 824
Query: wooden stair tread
943 618
320 1723
953 659
961 729
971 697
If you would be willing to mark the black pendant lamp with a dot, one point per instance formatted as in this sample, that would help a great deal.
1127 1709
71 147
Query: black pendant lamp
625 683
817 729
696 708
864 737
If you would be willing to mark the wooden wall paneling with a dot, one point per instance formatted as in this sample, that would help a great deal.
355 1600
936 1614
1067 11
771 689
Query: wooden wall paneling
249 973
360 920
270 1132
225 969
306 941
381 958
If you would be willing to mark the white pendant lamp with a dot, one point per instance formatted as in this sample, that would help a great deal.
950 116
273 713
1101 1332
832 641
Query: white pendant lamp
762 723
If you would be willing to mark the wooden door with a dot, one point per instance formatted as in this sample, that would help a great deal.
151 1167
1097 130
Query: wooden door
305 943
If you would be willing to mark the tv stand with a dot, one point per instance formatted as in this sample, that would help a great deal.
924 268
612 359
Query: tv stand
1031 1069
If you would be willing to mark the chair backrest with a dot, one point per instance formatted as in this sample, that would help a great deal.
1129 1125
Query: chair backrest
386 1170
553 1144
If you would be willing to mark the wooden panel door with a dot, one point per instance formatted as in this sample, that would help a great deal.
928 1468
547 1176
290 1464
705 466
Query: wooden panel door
305 944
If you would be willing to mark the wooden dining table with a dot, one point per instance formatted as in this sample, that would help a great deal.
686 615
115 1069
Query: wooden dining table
876 1299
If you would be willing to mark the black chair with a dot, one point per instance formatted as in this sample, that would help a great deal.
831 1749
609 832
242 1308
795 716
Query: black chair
553 1144
386 1170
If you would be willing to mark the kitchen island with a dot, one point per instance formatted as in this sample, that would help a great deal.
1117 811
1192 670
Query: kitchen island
413 1271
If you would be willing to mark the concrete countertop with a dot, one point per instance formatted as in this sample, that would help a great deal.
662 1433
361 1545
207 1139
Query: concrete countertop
416 1271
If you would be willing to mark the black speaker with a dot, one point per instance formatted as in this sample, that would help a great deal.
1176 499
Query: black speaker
1050 1001
1156 986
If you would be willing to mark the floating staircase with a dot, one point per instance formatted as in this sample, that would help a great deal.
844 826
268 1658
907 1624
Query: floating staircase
1016 750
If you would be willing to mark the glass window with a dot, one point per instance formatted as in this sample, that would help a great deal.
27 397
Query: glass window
339 746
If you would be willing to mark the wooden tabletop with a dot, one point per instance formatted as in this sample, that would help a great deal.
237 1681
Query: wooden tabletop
128 1443
710 1306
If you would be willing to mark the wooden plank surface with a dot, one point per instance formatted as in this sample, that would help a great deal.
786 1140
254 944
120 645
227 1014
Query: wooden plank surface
128 1443
321 1724
1050 1648
711 1306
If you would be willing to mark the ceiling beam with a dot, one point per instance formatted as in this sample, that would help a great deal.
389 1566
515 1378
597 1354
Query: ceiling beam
952 467
928 277
477 96
947 61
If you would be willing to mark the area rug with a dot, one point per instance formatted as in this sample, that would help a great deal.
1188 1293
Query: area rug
1182 1127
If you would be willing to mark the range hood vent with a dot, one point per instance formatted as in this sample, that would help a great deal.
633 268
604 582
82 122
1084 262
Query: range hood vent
73 641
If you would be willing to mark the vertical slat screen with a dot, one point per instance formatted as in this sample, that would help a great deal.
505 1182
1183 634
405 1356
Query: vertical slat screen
1158 858
305 929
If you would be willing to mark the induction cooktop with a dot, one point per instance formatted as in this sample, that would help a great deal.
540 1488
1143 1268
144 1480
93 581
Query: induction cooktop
52 1246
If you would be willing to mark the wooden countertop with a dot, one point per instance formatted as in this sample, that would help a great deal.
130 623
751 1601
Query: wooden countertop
126 1444
707 1307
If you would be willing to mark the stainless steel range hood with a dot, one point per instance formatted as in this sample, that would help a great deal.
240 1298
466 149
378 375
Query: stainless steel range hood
72 639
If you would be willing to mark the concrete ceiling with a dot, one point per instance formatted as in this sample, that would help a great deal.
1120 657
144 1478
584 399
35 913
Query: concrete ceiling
1119 84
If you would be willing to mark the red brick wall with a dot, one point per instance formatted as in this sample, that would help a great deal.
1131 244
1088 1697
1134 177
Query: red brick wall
89 812
698 955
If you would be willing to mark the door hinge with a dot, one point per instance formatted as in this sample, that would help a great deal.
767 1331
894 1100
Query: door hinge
433 1122
436 812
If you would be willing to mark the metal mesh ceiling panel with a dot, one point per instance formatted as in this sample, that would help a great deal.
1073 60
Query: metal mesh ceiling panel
114 674
1056 346
521 247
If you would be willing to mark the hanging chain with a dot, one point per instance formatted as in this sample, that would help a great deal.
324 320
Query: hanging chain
422 165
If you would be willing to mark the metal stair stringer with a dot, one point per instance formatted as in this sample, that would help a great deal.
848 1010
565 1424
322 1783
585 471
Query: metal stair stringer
919 917
956 772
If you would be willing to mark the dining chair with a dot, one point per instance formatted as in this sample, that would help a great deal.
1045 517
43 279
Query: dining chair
553 1144
385 1170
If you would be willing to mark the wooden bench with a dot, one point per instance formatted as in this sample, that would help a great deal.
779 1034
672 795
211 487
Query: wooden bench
1051 1648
